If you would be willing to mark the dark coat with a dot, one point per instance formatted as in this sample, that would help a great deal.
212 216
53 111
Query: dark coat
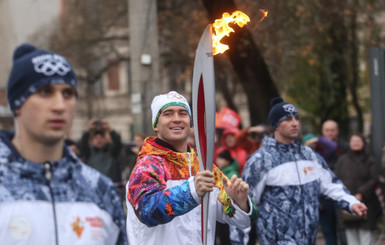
358 171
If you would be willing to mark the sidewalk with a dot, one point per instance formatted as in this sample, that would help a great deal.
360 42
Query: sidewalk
378 238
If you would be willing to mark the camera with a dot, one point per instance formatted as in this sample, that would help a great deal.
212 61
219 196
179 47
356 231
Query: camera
98 123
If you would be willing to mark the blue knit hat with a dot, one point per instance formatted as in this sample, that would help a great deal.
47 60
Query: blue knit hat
34 69
279 111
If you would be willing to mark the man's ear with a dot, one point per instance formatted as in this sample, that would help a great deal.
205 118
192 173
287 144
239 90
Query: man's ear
156 129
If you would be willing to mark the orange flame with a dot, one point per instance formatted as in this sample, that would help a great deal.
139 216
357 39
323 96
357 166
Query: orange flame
221 28
264 14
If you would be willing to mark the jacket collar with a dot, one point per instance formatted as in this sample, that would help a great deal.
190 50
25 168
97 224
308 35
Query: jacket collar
10 155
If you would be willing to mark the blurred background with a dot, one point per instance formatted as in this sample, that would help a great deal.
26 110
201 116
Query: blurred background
315 54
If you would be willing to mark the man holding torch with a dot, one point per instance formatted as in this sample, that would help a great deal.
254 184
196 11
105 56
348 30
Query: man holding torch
165 189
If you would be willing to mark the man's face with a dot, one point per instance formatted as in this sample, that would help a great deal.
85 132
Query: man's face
46 116
288 130
98 140
173 126
330 130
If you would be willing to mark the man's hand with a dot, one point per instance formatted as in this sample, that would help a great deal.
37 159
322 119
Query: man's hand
238 190
360 209
358 196
204 182
90 125
106 126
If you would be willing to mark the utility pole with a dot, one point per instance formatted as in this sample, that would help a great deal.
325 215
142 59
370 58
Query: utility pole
144 62
377 96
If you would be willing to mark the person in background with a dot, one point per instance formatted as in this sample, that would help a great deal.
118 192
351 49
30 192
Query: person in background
329 220
191 139
325 147
100 148
383 160
165 188
310 140
228 143
330 131
358 171
250 139
73 146
227 164
47 195
129 154
286 180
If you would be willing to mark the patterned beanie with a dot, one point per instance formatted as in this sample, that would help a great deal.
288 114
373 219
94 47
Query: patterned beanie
279 111
163 101
34 69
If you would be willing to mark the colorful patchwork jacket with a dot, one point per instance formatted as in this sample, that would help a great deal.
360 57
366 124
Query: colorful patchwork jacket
163 206
286 181
63 202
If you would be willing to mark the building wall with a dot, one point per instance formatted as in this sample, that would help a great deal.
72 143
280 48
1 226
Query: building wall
19 20
27 20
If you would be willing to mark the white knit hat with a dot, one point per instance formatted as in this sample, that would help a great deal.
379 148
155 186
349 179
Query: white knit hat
162 101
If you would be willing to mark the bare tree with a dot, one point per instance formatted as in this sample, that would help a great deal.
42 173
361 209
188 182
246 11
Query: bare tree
93 35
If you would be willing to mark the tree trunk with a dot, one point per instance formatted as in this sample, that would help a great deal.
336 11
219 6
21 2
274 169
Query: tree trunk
355 69
248 64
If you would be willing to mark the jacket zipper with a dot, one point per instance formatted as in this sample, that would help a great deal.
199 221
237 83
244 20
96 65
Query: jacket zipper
48 175
189 163
300 185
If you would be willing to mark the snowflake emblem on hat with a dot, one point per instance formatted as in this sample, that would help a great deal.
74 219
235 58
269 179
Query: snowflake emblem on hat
175 96
289 108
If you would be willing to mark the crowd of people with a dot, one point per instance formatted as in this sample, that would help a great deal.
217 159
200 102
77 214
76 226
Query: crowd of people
266 184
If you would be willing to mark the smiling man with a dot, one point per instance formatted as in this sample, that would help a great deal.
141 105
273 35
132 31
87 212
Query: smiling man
165 189
286 180
42 183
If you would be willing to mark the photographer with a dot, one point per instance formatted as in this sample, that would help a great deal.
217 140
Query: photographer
100 148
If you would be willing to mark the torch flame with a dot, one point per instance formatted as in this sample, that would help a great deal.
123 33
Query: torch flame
221 28
264 14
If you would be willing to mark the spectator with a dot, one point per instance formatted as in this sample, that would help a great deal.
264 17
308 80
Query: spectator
164 192
329 220
100 148
310 140
73 146
227 164
129 154
250 139
191 139
383 160
228 143
286 180
330 131
358 171
47 195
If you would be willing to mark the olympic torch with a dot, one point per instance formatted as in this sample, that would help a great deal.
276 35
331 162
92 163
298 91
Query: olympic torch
203 95
203 101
